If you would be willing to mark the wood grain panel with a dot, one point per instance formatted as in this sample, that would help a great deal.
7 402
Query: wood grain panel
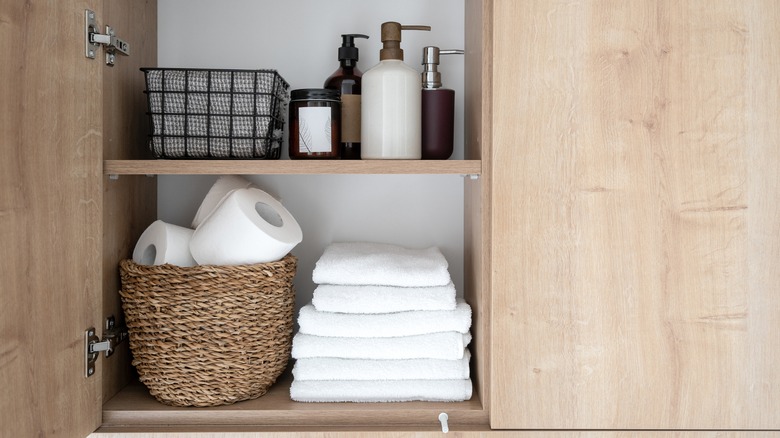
762 99
635 232
476 198
290 167
50 219
205 432
134 406
478 70
130 202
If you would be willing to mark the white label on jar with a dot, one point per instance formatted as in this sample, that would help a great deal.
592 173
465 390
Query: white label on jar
314 130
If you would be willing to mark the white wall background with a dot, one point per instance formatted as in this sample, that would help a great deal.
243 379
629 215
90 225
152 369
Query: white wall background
300 39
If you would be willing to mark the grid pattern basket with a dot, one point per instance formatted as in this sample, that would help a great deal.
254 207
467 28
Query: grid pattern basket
202 113
209 335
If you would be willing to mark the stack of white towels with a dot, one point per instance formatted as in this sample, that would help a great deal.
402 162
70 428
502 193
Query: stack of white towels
384 325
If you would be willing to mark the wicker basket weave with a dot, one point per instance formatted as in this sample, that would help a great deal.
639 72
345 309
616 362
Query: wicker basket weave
209 335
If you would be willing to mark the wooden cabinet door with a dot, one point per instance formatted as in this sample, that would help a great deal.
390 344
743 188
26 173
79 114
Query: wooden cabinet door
51 197
636 214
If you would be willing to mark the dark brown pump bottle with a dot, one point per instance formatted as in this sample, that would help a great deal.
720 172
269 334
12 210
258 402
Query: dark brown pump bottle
438 108
346 80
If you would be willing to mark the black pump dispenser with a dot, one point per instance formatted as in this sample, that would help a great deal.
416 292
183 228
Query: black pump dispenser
348 53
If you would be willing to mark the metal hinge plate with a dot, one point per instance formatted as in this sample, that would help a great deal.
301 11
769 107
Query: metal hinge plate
94 39
112 336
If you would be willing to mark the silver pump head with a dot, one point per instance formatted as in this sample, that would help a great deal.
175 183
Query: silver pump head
431 78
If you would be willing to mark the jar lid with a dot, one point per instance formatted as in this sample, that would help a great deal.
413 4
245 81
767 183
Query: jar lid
315 94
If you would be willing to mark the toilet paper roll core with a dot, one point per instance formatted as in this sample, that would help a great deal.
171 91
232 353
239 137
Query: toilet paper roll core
268 214
148 255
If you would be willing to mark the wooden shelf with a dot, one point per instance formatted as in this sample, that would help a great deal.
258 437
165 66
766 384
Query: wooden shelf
291 167
133 406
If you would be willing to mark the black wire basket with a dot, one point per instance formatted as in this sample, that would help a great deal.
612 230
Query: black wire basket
204 113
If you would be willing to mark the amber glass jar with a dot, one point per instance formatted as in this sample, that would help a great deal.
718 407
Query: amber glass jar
315 123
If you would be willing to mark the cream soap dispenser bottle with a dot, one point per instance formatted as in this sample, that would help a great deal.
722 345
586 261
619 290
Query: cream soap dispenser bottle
390 113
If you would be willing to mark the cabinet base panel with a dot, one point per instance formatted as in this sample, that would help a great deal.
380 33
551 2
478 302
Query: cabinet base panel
133 406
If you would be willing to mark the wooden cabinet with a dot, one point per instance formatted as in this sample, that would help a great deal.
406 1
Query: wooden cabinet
621 240
131 405
61 113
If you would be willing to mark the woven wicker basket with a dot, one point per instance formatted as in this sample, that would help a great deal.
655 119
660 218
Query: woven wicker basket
209 335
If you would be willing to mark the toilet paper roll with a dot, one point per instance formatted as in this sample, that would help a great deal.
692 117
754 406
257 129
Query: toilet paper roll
163 243
224 185
248 226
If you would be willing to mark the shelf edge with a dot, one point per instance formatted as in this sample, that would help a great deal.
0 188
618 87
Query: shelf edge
290 167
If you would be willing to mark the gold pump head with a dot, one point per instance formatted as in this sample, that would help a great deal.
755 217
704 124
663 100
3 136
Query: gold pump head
391 39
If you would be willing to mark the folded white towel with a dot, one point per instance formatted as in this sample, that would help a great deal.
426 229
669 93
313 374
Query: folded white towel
358 263
332 368
382 299
384 325
446 345
380 391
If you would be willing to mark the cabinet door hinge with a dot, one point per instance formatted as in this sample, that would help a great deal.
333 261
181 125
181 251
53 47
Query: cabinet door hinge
94 39
93 345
